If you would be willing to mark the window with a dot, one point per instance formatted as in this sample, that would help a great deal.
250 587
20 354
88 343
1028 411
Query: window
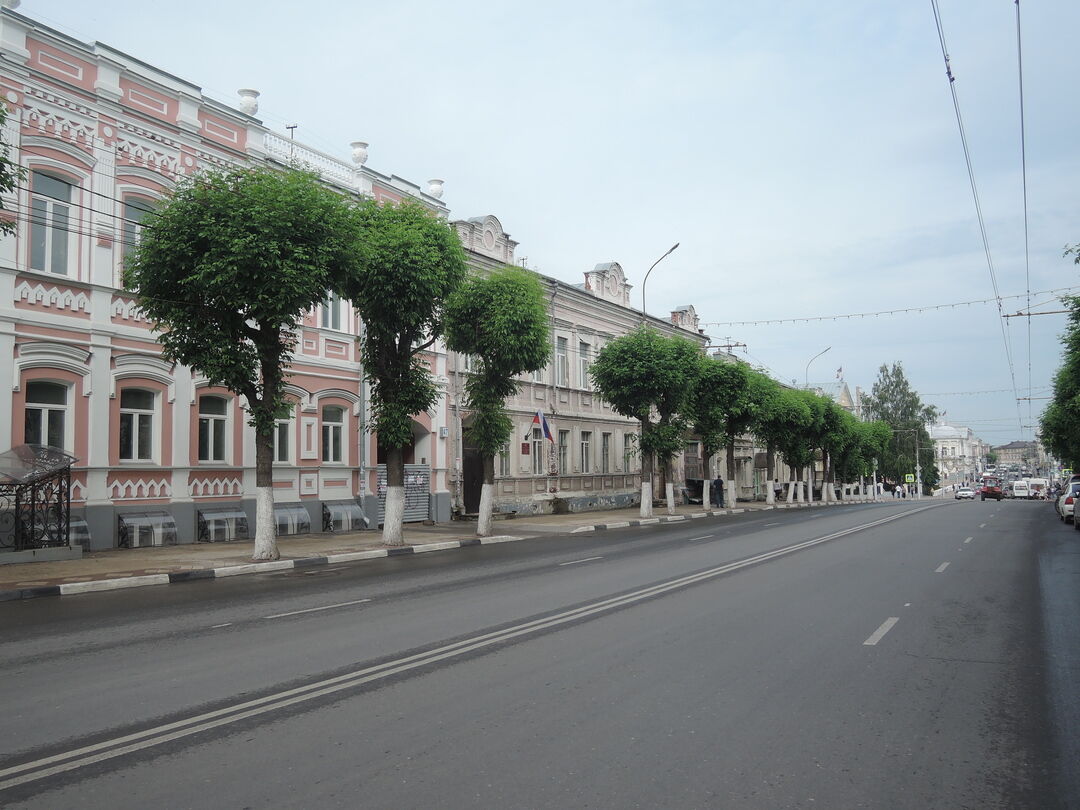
605 453
333 417
50 232
283 441
213 422
564 452
135 211
538 375
136 424
538 451
627 451
504 460
584 350
46 414
562 362
586 451
468 363
331 312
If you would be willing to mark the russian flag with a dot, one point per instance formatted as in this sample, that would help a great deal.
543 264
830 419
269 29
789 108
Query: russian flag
540 422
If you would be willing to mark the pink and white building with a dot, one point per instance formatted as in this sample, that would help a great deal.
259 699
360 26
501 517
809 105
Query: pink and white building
163 456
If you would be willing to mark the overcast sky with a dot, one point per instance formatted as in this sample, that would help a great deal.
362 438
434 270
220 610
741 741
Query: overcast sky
805 155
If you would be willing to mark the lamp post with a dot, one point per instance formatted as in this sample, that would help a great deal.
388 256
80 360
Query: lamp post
811 360
670 249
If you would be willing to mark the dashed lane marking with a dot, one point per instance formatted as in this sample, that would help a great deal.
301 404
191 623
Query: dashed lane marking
587 559
316 609
941 568
878 634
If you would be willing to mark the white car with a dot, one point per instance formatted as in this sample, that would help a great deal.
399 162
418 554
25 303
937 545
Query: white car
1065 502
965 493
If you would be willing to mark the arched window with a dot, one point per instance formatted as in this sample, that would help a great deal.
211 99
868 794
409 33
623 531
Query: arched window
50 223
213 427
46 414
137 424
333 427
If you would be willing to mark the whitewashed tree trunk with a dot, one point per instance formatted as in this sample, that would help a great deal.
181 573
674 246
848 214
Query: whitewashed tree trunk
265 536
394 516
810 484
729 494
487 503
669 493
791 491
770 493
646 499
706 493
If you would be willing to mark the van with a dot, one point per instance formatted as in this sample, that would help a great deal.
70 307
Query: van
1021 490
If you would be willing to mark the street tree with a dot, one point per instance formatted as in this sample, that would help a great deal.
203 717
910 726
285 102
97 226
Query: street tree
11 174
1059 425
792 434
719 388
781 415
500 320
225 270
649 377
742 413
893 401
410 262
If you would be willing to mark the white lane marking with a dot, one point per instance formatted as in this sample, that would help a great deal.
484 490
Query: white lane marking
216 626
767 525
878 634
907 604
587 559
315 609
982 525
941 568
703 537
186 727
968 540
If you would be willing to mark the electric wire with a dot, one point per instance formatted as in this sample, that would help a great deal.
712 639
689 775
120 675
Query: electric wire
978 206
1023 173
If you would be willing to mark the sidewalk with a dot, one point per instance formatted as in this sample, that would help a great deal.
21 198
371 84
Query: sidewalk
129 568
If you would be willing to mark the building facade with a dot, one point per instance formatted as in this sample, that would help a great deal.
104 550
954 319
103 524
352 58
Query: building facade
960 455
592 461
162 456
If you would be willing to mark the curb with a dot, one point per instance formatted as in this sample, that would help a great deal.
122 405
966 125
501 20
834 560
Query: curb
119 583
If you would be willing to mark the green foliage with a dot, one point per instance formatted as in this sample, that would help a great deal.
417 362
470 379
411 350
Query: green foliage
227 267
787 425
645 372
719 389
11 174
410 262
894 402
500 320
1060 421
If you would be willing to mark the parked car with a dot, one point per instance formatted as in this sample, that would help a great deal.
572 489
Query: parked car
1066 500
965 494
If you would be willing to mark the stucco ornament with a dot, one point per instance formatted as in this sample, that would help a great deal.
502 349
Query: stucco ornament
359 152
249 101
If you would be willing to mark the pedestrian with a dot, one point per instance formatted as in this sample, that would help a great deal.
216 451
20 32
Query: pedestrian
717 494
903 490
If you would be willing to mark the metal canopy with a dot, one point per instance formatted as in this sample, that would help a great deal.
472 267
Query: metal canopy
28 463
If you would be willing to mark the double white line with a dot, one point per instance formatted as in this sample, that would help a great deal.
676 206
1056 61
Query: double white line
158 735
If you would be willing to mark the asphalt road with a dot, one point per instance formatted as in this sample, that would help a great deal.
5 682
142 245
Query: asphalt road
914 654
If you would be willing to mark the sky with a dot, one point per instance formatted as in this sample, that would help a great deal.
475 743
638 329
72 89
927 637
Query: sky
805 156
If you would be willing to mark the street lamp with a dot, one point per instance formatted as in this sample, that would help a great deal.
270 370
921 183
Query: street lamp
670 249
812 359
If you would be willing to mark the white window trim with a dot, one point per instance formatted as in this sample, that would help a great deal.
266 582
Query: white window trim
226 424
67 409
155 434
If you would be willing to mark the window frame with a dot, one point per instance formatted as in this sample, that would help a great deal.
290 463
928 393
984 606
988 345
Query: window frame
44 226
332 434
562 362
139 417
45 409
217 425
585 451
538 467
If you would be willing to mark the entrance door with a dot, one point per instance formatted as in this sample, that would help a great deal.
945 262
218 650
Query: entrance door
472 479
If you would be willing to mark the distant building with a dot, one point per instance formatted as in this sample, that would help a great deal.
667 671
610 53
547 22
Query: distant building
959 454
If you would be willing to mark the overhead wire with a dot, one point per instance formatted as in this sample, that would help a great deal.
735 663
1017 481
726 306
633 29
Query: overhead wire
978 206
1023 172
